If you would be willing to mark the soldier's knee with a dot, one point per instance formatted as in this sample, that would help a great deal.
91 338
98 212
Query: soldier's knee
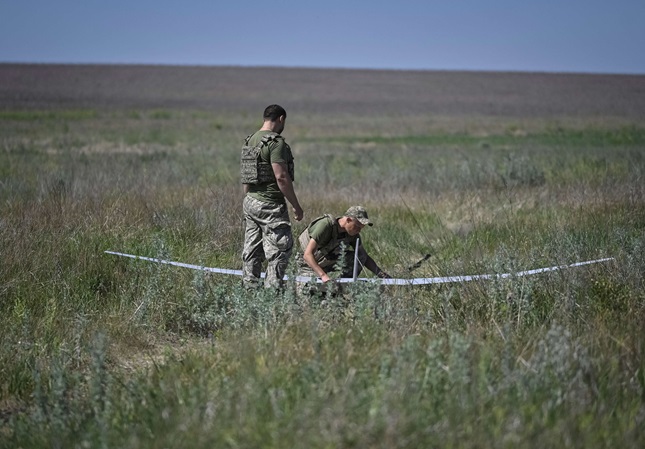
281 239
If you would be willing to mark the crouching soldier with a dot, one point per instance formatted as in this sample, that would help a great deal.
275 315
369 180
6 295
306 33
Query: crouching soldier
329 244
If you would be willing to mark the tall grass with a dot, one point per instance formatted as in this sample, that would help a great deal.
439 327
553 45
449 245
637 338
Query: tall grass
101 351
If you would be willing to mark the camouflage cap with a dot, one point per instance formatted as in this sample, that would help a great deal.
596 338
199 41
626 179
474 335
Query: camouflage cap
359 213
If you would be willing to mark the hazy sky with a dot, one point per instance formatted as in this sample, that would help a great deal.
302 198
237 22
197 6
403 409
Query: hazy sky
597 36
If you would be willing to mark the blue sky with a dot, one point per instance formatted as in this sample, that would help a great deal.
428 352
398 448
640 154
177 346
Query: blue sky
589 36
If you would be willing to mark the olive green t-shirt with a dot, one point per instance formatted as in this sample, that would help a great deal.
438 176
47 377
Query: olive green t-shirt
322 232
275 151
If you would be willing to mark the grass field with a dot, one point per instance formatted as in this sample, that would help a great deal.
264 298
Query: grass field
487 172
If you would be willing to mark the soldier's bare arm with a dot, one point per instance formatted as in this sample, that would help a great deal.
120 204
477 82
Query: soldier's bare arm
310 260
286 187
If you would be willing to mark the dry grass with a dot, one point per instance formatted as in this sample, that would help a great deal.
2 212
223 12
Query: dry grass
487 172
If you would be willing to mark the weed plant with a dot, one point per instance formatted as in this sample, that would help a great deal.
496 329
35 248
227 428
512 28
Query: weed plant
101 351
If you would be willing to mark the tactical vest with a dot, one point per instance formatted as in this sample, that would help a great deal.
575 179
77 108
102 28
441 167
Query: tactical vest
327 255
255 170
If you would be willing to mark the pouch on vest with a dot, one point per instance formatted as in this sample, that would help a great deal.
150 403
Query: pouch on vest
253 170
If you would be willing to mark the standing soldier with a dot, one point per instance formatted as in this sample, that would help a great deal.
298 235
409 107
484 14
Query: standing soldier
267 172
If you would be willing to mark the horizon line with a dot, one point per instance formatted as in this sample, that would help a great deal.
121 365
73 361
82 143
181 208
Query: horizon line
304 67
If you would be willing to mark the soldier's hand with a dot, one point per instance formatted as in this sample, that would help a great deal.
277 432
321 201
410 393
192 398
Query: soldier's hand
298 213
383 275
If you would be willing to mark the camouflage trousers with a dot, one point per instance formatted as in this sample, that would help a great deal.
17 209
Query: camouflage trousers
330 266
267 236
312 288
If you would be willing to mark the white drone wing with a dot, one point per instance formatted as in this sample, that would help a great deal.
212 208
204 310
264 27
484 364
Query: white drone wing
391 281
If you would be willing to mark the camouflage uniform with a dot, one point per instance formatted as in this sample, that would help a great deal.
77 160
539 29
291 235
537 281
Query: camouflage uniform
267 236
267 233
329 255
335 250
